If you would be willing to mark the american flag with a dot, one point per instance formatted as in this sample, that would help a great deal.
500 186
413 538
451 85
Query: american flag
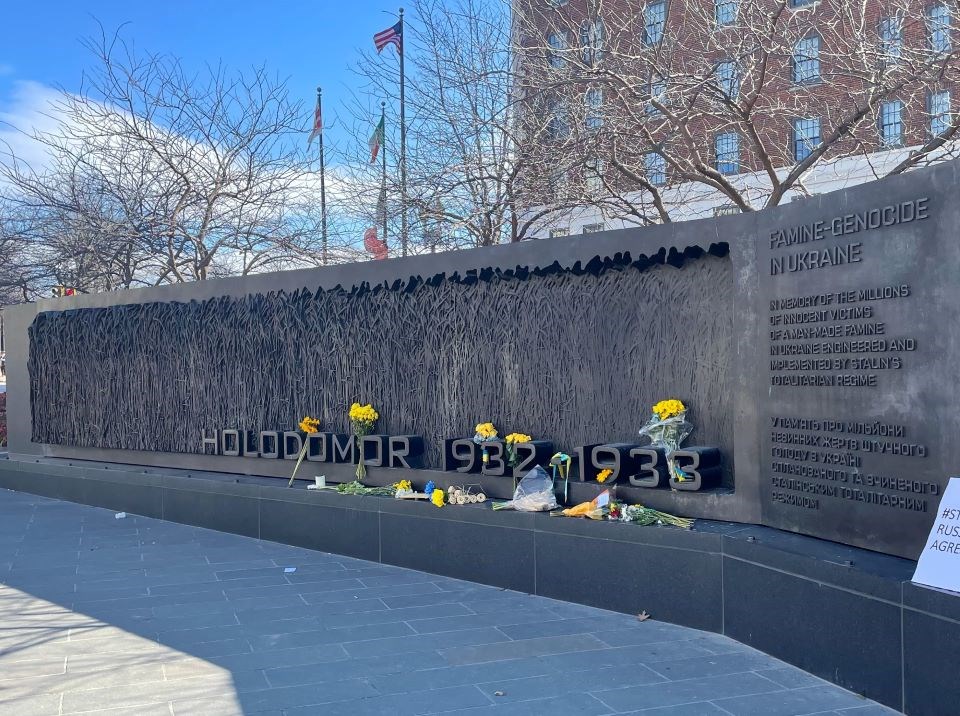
317 123
392 35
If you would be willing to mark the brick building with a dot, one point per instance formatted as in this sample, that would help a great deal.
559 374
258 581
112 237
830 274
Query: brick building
674 109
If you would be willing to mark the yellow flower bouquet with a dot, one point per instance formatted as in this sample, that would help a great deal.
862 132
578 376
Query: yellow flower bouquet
512 440
667 429
484 433
363 418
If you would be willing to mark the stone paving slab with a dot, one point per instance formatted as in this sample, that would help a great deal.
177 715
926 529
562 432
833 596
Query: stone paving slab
138 617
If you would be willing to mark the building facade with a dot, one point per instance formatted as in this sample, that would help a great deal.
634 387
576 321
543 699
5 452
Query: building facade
636 113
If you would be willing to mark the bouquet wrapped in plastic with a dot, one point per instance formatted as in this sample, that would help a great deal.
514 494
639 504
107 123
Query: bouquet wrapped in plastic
596 509
667 429
534 493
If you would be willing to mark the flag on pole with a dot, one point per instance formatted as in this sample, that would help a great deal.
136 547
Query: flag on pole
376 141
317 123
374 246
393 35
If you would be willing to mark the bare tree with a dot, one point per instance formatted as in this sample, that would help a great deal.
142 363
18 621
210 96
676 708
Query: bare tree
155 175
19 272
737 101
463 166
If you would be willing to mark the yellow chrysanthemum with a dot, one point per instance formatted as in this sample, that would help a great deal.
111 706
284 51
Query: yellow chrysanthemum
669 408
486 430
403 485
309 425
363 413
437 497
514 438
604 475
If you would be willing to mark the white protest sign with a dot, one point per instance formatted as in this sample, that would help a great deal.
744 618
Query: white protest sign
939 564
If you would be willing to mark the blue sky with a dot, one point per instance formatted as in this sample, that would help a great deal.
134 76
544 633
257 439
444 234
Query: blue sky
310 43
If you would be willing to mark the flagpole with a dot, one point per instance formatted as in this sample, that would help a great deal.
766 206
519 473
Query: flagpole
383 164
403 147
323 187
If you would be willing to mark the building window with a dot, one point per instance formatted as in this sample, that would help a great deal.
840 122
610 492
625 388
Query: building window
891 123
806 137
558 128
592 228
806 60
559 233
726 210
939 27
727 146
725 11
658 91
654 20
556 3
592 39
938 106
655 167
556 56
801 3
728 79
891 40
593 101
593 175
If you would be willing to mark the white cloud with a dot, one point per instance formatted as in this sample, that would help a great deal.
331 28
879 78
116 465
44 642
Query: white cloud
29 108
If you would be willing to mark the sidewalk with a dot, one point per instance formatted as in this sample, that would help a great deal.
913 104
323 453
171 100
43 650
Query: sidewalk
141 617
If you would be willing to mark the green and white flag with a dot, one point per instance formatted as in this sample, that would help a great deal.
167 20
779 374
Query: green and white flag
376 141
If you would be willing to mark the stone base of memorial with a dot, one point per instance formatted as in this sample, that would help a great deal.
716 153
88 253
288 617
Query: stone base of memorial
845 614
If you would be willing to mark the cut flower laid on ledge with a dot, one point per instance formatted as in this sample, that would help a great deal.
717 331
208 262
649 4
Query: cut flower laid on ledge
603 508
358 488
640 515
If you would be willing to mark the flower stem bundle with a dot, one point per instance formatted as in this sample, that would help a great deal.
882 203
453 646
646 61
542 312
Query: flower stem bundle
640 515
358 488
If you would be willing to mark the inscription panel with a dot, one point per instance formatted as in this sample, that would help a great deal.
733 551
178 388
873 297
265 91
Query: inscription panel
856 396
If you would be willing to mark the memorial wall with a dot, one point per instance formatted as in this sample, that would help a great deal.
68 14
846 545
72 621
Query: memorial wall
574 357
815 345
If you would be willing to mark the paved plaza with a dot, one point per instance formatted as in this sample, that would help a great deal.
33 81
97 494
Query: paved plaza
136 616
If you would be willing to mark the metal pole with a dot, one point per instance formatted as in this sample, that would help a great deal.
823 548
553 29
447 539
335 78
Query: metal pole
403 146
323 186
383 175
